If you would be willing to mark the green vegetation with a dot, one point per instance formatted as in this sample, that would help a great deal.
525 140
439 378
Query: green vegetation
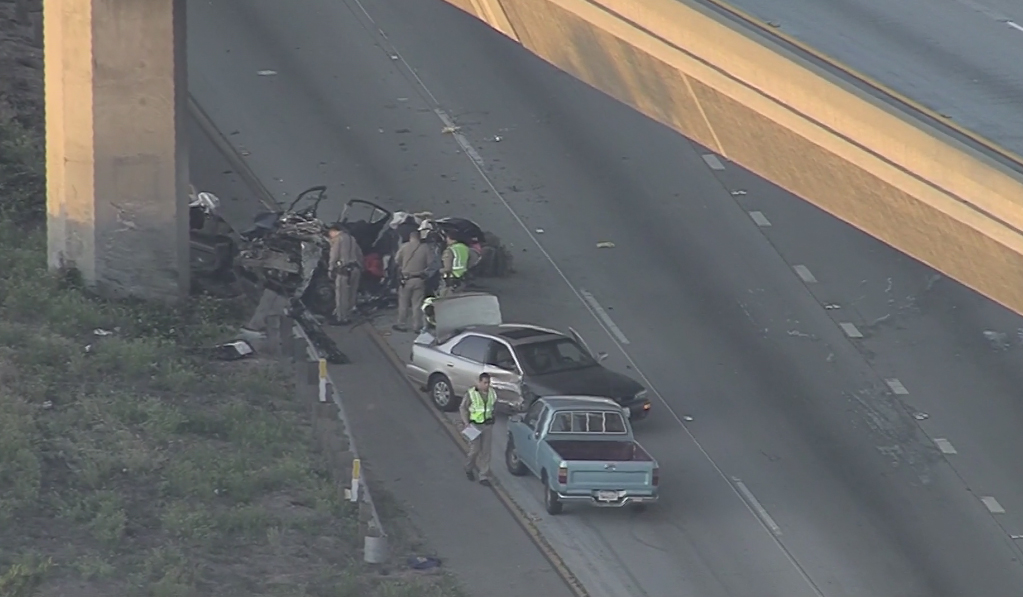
132 464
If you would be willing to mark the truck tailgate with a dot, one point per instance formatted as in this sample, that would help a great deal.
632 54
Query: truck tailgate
610 475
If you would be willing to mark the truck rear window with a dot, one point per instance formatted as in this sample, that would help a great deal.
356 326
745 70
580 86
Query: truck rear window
588 422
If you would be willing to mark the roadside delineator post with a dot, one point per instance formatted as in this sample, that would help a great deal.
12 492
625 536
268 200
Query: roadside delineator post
356 474
323 380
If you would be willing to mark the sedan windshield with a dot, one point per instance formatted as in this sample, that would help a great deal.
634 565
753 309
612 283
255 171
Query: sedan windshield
543 358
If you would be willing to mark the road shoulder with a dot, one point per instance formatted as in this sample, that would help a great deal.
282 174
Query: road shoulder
411 457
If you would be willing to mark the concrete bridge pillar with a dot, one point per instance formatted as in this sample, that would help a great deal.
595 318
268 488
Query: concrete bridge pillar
116 151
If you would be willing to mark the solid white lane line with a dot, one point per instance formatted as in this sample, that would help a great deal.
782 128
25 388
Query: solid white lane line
804 274
614 338
992 505
1014 25
713 161
850 330
604 317
945 446
760 219
757 507
897 387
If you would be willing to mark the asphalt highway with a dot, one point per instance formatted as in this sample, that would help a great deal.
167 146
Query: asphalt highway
957 57
790 465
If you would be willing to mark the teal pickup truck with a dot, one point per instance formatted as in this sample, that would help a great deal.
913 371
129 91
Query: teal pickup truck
583 450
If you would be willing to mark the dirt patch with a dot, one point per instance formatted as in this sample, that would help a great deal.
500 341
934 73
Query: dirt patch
132 464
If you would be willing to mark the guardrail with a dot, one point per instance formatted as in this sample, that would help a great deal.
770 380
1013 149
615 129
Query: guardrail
281 331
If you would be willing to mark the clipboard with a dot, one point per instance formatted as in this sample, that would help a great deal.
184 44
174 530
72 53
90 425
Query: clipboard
471 433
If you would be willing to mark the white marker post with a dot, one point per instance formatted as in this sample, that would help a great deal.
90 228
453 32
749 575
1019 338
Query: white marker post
356 473
323 380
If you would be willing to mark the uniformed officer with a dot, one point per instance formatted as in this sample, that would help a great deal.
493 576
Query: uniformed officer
413 261
345 266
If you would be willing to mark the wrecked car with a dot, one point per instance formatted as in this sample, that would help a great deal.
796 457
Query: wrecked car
286 251
213 244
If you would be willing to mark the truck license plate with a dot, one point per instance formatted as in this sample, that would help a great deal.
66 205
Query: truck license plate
607 496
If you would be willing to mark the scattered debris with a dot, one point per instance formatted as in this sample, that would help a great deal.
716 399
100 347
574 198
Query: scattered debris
998 340
423 563
233 351
605 245
921 416
101 332
266 73
497 138
738 193
448 130
687 418
832 307
539 230
395 57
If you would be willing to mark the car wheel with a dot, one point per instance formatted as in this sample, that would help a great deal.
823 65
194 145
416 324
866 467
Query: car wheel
551 501
511 459
441 393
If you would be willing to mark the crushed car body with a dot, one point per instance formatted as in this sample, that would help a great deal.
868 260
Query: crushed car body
287 251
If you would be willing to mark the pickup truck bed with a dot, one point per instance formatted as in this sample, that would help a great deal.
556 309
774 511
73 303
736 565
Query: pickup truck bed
607 450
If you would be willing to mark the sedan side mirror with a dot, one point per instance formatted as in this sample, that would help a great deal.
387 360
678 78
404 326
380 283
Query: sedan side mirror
536 435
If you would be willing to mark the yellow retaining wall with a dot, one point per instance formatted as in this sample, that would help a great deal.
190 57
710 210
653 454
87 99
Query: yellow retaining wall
791 122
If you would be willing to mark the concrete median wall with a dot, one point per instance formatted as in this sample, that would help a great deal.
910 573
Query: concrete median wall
792 122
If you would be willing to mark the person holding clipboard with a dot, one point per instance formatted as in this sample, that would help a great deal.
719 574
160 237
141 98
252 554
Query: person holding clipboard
477 411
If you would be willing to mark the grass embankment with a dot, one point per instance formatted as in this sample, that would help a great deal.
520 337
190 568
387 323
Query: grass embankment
132 464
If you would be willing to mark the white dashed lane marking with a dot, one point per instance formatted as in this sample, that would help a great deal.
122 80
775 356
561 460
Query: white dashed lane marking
760 219
757 507
945 446
1014 25
850 330
713 161
897 387
992 505
804 274
602 314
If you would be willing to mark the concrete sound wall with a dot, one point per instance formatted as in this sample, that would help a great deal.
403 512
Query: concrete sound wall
792 122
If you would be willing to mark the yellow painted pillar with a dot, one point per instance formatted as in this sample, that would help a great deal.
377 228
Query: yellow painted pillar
116 150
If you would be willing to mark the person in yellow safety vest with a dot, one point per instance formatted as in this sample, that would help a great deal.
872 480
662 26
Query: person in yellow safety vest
477 410
455 262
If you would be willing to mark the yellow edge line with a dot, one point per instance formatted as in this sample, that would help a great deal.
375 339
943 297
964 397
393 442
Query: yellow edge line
744 16
520 515
231 154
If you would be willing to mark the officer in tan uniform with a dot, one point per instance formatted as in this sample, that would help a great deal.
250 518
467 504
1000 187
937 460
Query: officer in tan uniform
345 266
413 262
